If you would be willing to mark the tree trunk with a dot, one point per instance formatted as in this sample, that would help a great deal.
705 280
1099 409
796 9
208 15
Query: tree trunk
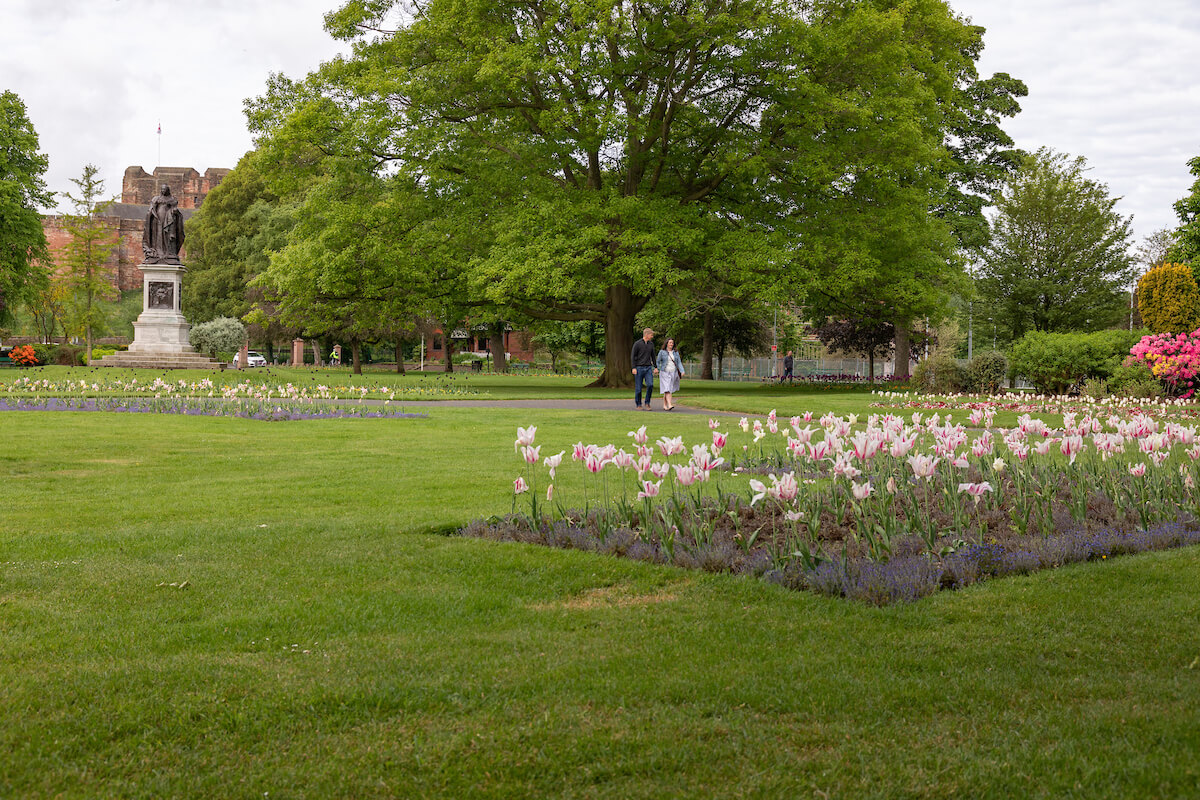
496 345
903 345
448 350
316 346
356 355
270 352
706 356
618 343
871 367
399 356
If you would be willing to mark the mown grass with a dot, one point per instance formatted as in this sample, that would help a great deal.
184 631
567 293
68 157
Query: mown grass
325 646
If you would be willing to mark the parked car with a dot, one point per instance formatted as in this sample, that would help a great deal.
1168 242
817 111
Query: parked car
254 359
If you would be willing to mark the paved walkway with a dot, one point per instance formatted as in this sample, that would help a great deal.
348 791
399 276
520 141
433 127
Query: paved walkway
560 405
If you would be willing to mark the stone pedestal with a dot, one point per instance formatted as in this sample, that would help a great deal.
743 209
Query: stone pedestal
297 352
160 333
161 327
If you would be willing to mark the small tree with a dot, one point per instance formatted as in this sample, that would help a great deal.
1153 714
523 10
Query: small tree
91 246
1169 299
866 338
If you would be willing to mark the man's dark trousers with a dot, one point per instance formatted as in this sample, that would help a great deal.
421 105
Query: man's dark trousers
645 377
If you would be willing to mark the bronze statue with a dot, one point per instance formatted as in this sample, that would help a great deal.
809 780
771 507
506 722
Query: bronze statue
162 238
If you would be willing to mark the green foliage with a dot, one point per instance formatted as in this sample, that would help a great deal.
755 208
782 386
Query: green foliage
22 243
86 266
986 372
221 335
44 352
593 156
1058 259
230 239
1187 235
1169 299
940 374
1134 379
1056 363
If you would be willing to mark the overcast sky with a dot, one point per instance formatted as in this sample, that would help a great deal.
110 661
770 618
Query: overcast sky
1111 80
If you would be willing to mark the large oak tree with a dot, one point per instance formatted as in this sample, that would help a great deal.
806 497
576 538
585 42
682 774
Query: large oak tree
601 151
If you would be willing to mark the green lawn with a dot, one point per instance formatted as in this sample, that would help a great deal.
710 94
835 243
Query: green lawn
328 645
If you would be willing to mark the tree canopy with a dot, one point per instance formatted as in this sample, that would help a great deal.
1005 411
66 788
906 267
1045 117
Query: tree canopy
584 155
22 190
1058 259
1187 235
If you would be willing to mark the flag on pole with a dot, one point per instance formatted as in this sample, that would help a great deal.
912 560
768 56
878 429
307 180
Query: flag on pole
160 129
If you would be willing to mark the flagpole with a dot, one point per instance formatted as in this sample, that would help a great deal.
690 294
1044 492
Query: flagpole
159 164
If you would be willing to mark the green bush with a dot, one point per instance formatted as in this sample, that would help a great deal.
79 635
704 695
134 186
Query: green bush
1057 363
1096 388
100 352
1169 299
218 335
986 372
44 352
940 374
1134 379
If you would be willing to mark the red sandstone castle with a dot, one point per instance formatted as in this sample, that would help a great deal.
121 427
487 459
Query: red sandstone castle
127 218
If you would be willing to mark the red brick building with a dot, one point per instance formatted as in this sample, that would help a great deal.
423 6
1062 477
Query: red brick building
475 340
127 218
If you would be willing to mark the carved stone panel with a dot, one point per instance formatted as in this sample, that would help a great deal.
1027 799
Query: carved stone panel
162 295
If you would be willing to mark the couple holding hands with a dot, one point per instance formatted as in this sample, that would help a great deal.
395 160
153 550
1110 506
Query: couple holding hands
666 364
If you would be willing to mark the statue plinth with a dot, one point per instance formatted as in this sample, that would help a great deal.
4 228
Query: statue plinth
160 333
161 327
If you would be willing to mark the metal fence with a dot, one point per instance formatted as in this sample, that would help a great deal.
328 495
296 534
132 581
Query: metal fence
759 369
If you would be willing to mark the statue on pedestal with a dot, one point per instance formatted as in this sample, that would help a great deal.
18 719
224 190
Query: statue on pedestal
163 235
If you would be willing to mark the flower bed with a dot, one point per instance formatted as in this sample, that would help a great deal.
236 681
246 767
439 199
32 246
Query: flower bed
206 387
274 411
891 511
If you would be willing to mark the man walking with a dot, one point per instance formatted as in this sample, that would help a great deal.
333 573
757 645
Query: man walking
643 368
788 363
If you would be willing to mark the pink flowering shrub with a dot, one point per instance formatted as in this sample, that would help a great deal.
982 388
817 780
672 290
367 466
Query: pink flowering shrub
1172 358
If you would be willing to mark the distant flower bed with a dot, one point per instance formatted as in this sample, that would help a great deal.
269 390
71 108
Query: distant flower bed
889 512
1023 403
206 387
247 408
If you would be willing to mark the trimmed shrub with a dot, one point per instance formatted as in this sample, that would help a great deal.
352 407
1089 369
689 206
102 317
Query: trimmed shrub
1056 363
66 355
1169 299
940 374
986 372
1134 379
223 334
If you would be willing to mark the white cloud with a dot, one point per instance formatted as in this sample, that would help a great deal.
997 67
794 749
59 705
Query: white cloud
1111 80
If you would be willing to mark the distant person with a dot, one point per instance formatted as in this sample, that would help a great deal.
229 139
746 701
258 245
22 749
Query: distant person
643 368
670 370
788 363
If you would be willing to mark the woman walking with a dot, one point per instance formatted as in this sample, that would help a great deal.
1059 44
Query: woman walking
670 370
